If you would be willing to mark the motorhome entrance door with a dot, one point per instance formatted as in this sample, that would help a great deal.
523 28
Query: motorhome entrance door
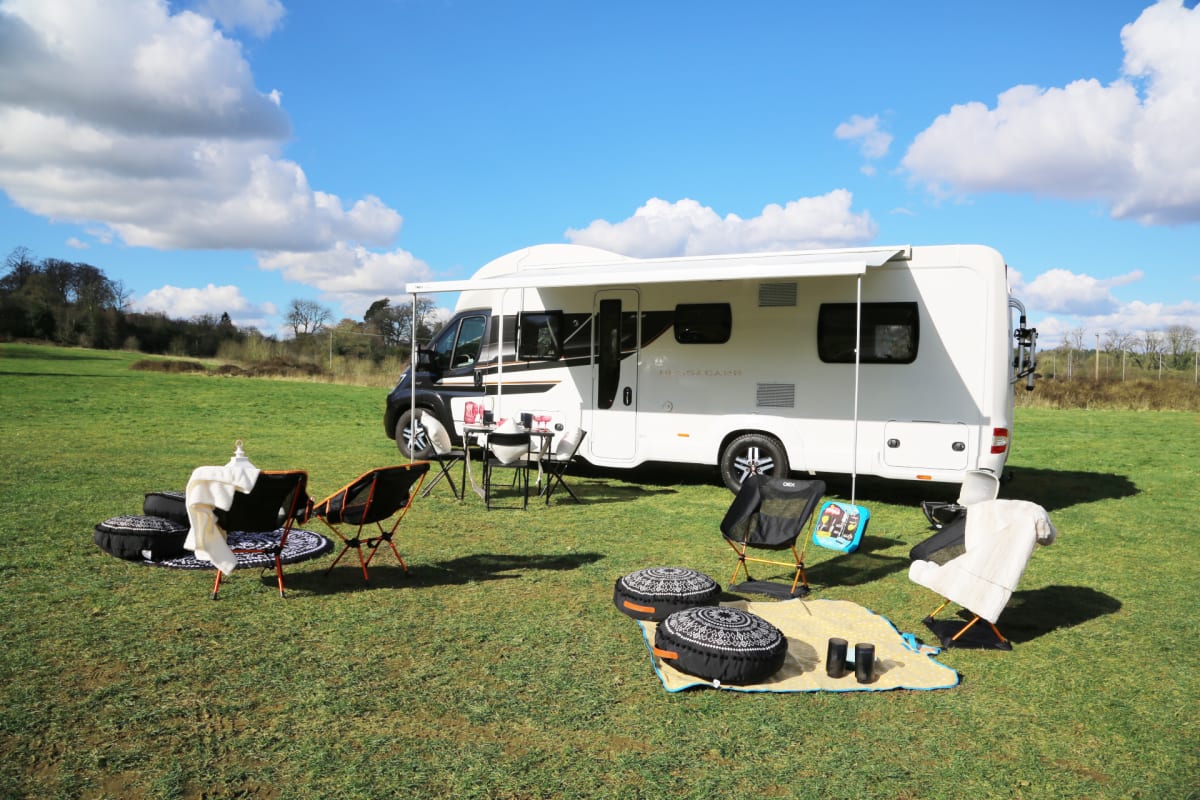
613 434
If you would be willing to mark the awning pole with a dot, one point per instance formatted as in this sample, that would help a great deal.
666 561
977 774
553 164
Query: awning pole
857 361
412 382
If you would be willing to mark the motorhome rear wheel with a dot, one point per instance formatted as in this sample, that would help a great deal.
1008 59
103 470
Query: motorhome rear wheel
752 454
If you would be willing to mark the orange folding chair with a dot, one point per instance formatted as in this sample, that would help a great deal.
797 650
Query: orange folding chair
376 496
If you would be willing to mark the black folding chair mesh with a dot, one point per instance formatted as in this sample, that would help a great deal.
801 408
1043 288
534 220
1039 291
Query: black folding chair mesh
771 514
277 499
265 507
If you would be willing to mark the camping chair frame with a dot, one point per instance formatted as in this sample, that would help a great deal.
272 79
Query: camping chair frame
332 511
444 454
800 579
974 618
247 514
491 462
556 469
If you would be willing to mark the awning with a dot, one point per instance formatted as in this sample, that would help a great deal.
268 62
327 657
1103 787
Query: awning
685 269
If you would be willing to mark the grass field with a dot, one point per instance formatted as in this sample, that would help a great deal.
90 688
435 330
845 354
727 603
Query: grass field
499 668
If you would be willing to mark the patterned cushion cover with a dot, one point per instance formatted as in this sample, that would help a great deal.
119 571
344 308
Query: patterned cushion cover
720 643
657 592
137 538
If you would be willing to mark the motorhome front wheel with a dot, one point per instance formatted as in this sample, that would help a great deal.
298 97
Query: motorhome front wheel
404 434
752 454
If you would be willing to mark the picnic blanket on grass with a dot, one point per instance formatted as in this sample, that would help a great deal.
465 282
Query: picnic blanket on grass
301 546
900 661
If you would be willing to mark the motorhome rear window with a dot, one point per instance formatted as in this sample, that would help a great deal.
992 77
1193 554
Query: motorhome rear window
890 332
703 323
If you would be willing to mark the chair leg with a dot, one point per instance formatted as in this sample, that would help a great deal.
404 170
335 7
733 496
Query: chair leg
934 613
445 473
429 486
741 564
801 577
362 564
216 585
555 480
279 572
385 536
968 626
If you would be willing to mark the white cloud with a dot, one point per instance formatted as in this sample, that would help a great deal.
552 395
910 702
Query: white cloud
661 228
351 276
257 16
122 114
873 142
1124 144
183 303
1060 302
1062 291
77 243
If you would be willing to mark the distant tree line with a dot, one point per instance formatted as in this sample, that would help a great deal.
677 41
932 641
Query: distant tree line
1119 354
73 303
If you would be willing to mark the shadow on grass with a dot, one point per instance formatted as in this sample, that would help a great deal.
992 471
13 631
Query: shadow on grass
862 566
1036 612
1053 489
651 473
48 353
347 576
849 569
596 491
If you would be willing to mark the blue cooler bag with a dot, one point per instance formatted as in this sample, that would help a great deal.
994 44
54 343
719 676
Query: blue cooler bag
840 526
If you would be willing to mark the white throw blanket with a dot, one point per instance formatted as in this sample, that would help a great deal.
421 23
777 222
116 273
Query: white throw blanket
209 489
999 539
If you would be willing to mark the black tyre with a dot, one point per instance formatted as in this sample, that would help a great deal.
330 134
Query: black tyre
752 454
422 445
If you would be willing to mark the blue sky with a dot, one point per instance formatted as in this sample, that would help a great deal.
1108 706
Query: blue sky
233 155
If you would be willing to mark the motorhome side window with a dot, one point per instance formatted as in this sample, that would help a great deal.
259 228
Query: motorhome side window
458 346
703 323
890 332
540 336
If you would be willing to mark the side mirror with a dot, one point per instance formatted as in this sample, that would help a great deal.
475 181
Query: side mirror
425 359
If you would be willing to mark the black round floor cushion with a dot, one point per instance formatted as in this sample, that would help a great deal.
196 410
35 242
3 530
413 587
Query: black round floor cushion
723 644
170 504
138 538
657 592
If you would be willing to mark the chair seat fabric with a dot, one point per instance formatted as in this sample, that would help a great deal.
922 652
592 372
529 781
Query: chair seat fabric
657 592
720 643
141 538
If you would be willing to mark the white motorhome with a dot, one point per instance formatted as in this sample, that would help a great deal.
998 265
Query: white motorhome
890 361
